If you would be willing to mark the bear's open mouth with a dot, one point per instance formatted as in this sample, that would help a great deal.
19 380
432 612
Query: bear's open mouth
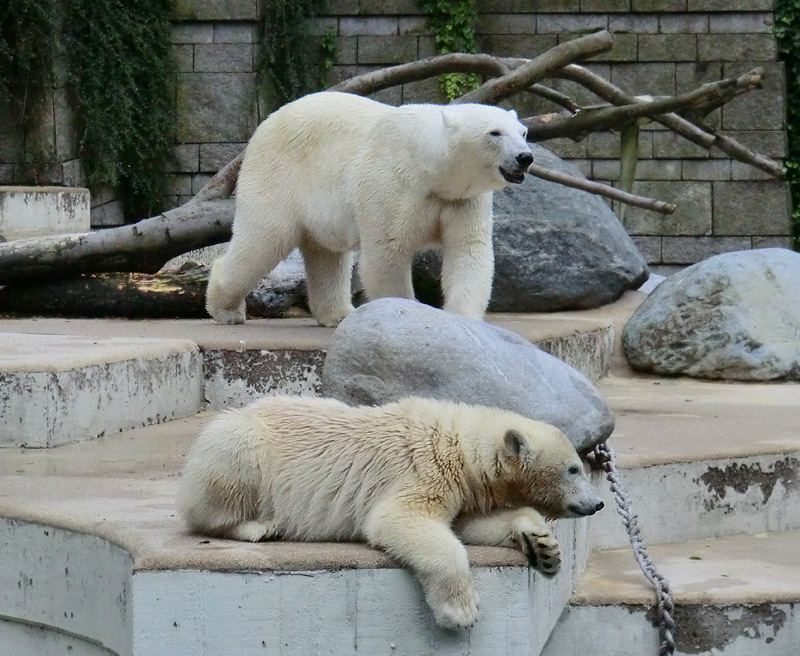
514 177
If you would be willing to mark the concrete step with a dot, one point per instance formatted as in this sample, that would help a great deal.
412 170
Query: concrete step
702 459
39 211
737 596
91 553
56 389
242 363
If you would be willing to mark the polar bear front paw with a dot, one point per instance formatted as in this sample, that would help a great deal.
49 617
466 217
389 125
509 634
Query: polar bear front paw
541 549
456 611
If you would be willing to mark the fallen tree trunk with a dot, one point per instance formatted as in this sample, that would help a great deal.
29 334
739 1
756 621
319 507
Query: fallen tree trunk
143 247
168 295
101 295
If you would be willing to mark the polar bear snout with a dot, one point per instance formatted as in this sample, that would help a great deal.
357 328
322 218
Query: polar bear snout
585 500
525 159
514 171
584 510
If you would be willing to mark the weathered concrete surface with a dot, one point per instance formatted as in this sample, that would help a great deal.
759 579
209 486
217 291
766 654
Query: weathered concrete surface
123 489
285 356
62 592
685 478
392 348
581 339
725 456
57 389
737 595
757 568
626 630
346 612
39 211
236 378
674 420
735 316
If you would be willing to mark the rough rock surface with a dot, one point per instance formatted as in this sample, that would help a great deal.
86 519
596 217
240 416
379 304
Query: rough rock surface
733 316
555 248
391 348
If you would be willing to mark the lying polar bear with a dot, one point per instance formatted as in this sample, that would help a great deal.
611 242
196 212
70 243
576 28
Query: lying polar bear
408 477
332 172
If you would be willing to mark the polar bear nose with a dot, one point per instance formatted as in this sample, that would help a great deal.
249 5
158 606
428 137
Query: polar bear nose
599 506
524 160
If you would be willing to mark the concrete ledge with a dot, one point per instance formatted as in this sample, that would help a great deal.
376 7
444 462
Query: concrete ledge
62 592
236 378
769 629
291 598
704 499
738 595
286 355
57 389
38 211
702 459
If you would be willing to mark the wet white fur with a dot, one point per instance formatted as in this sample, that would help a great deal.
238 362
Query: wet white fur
331 173
397 476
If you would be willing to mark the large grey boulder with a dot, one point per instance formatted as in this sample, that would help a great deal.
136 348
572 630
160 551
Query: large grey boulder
556 248
391 348
733 316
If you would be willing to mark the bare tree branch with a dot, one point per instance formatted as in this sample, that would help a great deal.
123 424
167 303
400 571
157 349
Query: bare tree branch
601 190
222 184
613 94
522 77
423 69
577 126
556 97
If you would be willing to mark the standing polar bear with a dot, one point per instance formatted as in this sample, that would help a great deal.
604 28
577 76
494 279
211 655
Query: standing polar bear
332 172
407 477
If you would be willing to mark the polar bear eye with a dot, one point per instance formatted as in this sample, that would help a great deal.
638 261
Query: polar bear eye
574 470
495 133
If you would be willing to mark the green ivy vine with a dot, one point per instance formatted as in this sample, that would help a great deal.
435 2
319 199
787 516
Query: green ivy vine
453 24
27 32
120 70
787 30
287 65
119 65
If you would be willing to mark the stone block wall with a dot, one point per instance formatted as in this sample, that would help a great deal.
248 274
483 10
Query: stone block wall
661 47
216 100
52 140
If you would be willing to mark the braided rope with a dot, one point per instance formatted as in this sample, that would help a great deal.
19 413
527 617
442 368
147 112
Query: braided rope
606 458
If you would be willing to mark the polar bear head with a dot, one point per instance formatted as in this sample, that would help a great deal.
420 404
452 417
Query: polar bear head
489 142
549 471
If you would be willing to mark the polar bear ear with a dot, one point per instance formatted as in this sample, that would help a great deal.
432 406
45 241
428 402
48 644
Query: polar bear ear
516 444
447 120
513 113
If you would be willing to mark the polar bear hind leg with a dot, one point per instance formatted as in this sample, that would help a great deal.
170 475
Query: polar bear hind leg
329 279
249 258
385 273
428 547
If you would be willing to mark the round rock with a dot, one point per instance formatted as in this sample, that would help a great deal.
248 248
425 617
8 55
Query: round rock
734 316
556 248
392 348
